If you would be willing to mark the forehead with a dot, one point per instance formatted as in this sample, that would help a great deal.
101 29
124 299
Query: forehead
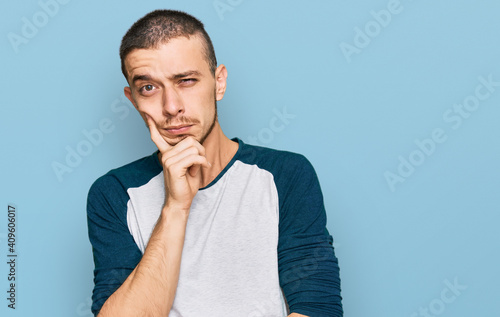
176 56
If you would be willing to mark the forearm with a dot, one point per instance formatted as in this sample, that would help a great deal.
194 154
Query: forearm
310 276
150 289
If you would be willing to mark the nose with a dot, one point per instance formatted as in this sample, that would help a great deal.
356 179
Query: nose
172 103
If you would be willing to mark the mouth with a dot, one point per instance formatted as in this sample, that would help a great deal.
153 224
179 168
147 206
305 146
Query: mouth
177 130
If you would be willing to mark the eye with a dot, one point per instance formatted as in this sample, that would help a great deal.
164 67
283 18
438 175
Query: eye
146 88
187 81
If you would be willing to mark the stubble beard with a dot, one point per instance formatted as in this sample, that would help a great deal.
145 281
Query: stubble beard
204 137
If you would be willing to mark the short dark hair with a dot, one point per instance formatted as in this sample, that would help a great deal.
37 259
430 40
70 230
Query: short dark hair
160 26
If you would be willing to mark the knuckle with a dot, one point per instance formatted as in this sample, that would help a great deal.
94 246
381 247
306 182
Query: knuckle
193 150
167 162
191 141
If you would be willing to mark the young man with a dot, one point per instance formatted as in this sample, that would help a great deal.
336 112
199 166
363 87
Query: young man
206 226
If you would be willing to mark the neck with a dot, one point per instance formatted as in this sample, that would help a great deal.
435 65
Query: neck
219 151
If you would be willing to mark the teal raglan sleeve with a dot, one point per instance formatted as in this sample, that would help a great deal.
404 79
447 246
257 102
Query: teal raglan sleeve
308 267
114 249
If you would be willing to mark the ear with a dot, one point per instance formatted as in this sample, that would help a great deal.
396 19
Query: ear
128 93
220 82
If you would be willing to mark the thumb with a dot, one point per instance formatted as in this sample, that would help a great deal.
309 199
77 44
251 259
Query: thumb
194 170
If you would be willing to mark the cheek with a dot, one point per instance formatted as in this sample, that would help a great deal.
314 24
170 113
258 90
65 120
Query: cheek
142 112
205 92
148 107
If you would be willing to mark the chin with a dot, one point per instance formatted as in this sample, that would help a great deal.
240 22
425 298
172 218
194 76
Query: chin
174 141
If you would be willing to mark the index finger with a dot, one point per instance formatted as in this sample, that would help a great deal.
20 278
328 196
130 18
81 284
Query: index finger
156 136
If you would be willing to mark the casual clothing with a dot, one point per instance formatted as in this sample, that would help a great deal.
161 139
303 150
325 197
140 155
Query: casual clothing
255 236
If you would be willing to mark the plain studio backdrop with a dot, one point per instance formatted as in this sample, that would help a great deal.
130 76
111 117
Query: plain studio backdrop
396 104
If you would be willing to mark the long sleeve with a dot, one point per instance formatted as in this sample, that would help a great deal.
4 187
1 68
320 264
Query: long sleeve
113 247
308 267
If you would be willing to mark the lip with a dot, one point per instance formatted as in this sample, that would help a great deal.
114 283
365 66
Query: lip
180 129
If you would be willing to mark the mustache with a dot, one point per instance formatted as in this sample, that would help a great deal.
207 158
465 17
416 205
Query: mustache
180 121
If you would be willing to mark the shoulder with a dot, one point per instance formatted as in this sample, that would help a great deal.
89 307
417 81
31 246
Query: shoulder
134 174
292 173
273 160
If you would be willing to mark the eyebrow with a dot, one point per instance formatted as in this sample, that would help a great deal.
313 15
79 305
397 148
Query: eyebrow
173 77
140 77
185 74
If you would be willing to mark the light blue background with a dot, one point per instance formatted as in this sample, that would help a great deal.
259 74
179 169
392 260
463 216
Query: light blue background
352 120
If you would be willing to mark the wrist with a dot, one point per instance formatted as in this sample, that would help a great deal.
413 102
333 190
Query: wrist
175 209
